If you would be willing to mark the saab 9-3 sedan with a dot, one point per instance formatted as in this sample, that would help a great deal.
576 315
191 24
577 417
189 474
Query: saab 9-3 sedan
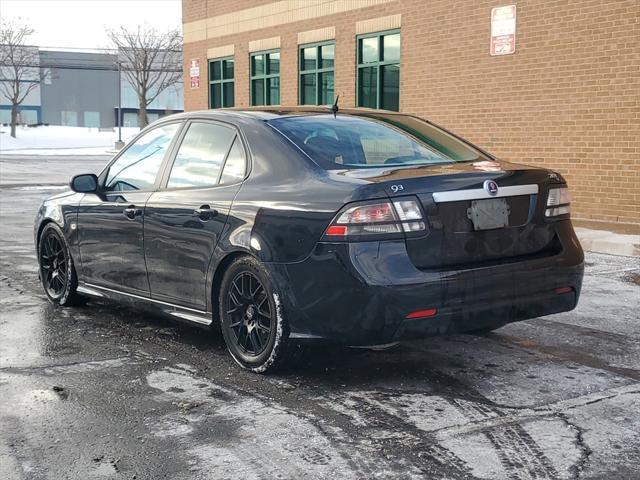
360 227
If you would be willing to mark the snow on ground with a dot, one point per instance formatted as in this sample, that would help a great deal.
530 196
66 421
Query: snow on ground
59 140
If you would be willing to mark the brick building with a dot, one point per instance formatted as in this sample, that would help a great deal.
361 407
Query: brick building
568 98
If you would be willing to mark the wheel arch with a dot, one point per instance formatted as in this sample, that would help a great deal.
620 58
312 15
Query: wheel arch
41 227
70 244
218 274
43 224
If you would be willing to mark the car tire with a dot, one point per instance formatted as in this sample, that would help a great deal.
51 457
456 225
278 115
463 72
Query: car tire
252 317
56 268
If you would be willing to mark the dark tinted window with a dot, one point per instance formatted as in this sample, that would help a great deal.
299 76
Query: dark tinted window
265 78
308 57
316 74
378 71
221 83
390 87
368 87
349 141
200 156
327 56
274 63
138 166
234 167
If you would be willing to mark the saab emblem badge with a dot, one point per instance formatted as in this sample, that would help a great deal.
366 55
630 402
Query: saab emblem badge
491 187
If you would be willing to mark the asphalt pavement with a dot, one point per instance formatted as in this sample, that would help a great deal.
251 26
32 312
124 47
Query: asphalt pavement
103 391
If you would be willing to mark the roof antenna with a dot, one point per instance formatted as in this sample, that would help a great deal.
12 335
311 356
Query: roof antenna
334 107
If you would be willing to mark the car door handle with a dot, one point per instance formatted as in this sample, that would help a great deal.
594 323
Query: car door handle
132 212
205 212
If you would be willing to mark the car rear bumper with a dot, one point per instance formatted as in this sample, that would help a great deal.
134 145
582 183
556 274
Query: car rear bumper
361 293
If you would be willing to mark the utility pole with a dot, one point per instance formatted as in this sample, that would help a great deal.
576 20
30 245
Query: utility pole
119 143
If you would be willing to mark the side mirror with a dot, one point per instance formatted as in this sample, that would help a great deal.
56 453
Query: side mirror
85 183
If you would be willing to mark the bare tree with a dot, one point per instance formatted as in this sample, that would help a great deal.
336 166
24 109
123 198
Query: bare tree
19 66
151 61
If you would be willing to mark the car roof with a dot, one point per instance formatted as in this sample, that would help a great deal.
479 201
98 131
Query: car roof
268 113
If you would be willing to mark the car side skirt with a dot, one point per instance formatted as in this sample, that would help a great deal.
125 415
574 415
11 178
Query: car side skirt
177 312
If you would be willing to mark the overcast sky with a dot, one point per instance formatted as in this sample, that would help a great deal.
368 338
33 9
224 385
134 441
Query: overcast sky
82 23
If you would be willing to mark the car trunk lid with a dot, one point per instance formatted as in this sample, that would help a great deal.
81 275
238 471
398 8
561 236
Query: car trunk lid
469 223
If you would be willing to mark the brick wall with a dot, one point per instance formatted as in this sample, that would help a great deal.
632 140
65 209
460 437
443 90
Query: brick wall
569 99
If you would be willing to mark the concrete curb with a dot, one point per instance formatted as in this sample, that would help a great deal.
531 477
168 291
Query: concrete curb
606 241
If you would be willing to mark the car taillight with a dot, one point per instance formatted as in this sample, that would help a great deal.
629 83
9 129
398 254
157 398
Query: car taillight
558 202
377 218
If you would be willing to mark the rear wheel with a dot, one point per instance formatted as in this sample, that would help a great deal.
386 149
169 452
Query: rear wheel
252 318
56 269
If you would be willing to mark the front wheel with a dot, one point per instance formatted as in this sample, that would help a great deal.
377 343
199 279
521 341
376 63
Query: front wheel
252 317
56 269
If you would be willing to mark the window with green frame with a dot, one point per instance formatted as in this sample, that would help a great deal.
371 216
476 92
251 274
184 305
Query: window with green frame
265 78
317 73
221 83
378 76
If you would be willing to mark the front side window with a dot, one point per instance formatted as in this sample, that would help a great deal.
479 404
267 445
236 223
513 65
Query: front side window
138 166
202 154
317 74
221 83
378 82
375 140
265 78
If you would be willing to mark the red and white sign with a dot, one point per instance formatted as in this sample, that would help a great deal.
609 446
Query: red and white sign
194 73
503 30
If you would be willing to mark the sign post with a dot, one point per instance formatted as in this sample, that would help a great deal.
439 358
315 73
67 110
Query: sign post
503 30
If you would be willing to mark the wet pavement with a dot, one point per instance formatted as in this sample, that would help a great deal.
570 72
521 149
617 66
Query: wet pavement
107 392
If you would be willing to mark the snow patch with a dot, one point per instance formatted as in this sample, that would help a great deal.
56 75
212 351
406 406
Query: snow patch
276 346
59 140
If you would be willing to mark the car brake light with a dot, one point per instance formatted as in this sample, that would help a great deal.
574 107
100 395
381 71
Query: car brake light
429 312
561 290
558 202
337 230
379 218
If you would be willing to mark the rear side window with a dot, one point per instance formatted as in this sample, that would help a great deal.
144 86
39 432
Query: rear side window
138 166
201 156
346 141
234 167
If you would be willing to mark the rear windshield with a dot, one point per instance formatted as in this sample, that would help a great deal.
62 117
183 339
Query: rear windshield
379 140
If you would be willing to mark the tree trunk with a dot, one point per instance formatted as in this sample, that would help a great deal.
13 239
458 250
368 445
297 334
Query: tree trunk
14 119
143 120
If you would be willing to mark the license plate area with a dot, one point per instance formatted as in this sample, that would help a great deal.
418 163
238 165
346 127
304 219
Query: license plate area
489 214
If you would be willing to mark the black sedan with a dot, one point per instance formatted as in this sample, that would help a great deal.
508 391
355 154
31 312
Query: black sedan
360 227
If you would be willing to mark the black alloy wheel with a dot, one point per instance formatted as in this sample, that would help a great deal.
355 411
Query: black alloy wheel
53 265
252 318
56 268
251 315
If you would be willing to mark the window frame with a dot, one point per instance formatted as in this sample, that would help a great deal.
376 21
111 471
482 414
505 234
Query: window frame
264 76
221 82
166 173
315 71
379 63
102 177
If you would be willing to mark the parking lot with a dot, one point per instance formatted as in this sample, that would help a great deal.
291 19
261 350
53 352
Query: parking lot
106 392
